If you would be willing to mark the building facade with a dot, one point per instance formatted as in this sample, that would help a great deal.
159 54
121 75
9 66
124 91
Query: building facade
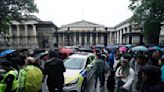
81 33
29 33
88 33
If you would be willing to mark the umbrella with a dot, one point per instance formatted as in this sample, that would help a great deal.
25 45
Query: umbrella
121 45
115 46
100 46
162 49
155 48
123 49
66 50
128 45
139 48
41 55
109 47
4 53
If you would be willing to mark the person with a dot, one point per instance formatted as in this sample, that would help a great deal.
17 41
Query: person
106 67
30 77
161 63
9 83
151 75
111 81
125 76
155 58
99 70
110 59
142 60
54 68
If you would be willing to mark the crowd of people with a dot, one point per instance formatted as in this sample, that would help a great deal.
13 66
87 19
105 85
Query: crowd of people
127 71
24 72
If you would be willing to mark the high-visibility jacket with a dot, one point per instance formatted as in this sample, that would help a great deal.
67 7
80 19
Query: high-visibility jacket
24 78
3 85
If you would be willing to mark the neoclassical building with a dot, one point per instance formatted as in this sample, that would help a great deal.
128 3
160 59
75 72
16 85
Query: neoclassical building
29 33
82 33
88 33
32 33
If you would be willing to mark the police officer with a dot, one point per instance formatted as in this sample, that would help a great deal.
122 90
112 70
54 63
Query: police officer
9 83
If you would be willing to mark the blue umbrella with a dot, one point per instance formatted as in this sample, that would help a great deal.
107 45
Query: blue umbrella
115 46
128 45
100 46
109 47
156 48
4 53
162 49
139 48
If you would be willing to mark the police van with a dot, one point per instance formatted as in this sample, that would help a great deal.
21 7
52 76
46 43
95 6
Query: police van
79 70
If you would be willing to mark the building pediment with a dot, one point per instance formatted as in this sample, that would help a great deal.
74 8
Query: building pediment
83 23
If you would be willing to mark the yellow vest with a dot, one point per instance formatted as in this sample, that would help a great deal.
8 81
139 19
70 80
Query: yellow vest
15 81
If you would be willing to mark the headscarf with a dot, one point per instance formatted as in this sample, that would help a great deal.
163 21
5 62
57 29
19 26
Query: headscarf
125 69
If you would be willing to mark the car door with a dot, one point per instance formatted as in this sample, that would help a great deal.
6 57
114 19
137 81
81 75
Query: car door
90 67
92 60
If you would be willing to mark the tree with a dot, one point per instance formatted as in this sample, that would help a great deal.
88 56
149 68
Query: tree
151 14
13 10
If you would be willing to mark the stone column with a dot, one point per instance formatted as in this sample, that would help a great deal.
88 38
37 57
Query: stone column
108 38
85 39
79 39
102 39
91 39
128 31
111 39
74 43
34 34
59 39
121 36
18 33
10 33
96 38
26 34
117 36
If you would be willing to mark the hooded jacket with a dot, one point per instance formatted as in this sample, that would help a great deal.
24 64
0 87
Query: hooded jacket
153 81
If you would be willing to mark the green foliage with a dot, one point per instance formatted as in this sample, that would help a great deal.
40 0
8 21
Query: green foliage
13 10
151 13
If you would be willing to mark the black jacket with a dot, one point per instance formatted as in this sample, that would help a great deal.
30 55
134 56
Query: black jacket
54 68
153 81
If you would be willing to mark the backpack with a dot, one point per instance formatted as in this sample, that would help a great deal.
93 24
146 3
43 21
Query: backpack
34 77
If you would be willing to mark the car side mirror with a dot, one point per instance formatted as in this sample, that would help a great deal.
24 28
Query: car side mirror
89 66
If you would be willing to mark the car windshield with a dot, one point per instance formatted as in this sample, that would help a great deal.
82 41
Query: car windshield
73 63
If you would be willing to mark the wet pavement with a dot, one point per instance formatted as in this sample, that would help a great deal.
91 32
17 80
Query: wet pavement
89 87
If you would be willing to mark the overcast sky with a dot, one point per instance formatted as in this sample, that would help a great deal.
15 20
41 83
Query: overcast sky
105 12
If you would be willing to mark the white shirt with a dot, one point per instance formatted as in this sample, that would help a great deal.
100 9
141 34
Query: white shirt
128 80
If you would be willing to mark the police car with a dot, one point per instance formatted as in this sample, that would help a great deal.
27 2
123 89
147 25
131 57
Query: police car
79 69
